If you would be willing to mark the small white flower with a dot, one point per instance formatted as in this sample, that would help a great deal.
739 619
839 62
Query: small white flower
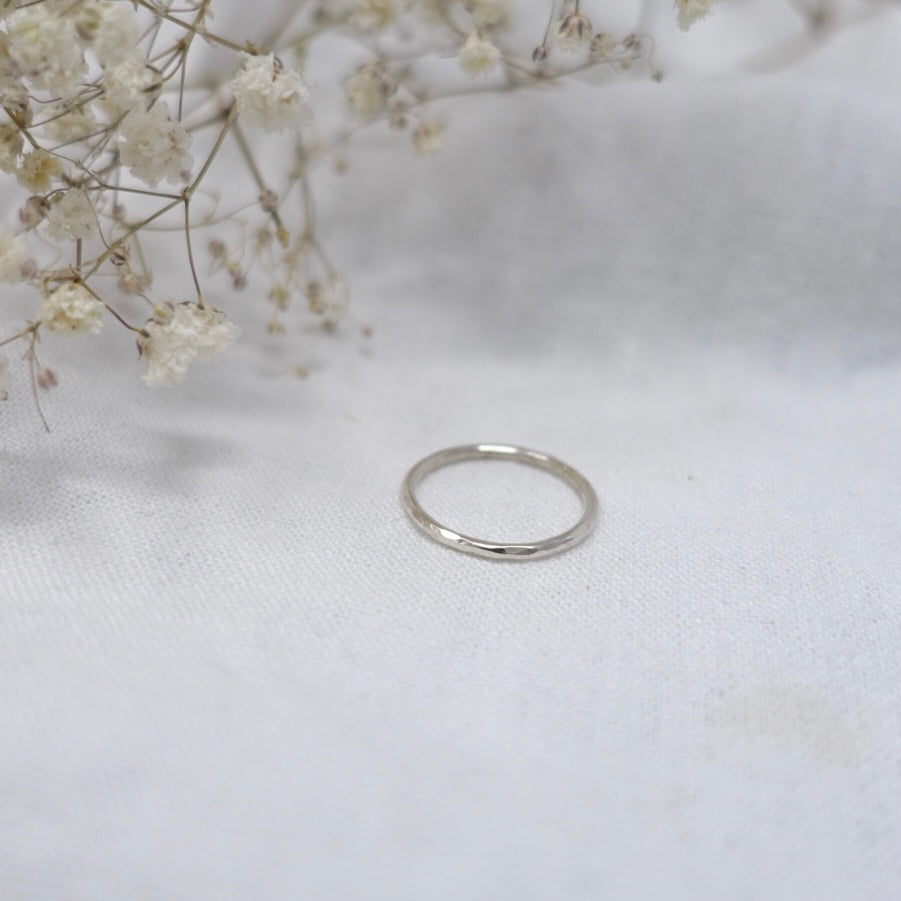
689 11
603 45
187 332
14 257
477 54
155 147
37 170
44 45
269 95
116 34
213 332
371 15
65 124
70 309
368 89
71 215
428 138
124 83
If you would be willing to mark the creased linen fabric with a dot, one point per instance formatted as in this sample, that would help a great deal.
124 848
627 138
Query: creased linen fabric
230 668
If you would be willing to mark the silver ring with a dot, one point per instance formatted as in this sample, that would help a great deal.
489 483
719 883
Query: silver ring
527 551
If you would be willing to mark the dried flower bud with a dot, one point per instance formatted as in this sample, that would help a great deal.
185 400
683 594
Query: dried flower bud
216 249
275 327
29 269
121 255
262 238
632 42
398 115
280 296
428 138
33 212
329 300
130 282
314 297
573 31
269 201
46 378
539 54
238 276
162 313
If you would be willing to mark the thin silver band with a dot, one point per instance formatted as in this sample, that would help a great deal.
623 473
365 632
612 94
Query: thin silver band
466 543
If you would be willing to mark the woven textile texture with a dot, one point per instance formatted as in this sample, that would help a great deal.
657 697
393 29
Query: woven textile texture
230 668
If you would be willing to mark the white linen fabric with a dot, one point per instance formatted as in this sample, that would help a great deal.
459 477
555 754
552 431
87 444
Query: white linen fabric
229 666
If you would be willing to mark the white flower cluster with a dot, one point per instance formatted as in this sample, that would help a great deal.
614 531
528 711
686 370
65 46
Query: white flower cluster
155 147
478 54
689 11
269 95
180 334
46 45
102 101
369 89
70 309
43 47
71 216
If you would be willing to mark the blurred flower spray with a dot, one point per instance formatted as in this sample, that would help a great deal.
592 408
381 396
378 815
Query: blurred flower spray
110 130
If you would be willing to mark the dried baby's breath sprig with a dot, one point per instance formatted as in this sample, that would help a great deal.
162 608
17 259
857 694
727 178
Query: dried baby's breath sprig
111 125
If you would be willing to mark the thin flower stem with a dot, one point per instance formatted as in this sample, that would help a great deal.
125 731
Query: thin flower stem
127 325
195 29
31 327
103 186
190 250
229 120
32 365
96 296
244 147
100 260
